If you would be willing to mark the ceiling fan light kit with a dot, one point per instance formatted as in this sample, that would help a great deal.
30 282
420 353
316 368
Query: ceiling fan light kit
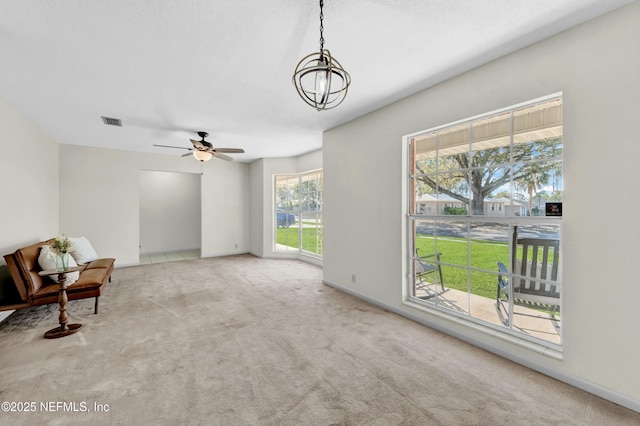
319 78
202 155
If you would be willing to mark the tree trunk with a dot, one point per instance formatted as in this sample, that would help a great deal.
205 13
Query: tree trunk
477 203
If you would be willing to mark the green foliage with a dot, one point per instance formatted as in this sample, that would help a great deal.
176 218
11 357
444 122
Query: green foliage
61 245
456 211
485 171
300 192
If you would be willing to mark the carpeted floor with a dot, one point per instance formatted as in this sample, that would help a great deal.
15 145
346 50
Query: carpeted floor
246 341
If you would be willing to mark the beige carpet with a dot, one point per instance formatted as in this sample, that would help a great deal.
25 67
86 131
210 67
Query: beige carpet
246 341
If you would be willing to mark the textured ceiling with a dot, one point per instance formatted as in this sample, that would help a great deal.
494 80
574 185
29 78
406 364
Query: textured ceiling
171 68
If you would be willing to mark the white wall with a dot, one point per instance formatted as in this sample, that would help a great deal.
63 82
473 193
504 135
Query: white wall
100 199
170 211
226 208
29 176
257 222
596 66
29 187
262 220
308 162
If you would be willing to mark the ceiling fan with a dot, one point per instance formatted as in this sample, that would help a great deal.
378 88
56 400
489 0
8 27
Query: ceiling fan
203 150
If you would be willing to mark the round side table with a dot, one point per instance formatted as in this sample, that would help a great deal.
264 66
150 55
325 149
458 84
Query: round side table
64 329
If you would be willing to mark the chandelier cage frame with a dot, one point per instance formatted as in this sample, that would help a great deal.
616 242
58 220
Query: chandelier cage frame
319 78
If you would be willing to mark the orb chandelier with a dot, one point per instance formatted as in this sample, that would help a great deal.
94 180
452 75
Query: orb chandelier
319 78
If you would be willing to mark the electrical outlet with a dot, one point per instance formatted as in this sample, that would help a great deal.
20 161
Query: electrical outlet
353 278
235 245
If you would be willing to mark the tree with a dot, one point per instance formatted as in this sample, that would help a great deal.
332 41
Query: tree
472 177
535 176
303 194
311 195
286 195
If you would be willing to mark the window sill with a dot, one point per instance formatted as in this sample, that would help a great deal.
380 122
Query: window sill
549 350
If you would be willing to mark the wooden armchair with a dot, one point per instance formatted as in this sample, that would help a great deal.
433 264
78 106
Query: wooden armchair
533 283
428 275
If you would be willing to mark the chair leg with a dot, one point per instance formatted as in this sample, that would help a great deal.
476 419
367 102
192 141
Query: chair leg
503 313
95 310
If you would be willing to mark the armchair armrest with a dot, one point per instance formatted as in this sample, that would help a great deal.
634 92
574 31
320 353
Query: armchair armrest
503 282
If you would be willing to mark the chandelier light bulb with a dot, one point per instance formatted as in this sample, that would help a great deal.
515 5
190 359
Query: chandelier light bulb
323 77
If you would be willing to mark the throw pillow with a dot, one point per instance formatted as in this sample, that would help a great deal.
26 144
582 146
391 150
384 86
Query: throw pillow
47 260
82 251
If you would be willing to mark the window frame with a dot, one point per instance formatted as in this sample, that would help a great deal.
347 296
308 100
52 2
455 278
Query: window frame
413 215
300 212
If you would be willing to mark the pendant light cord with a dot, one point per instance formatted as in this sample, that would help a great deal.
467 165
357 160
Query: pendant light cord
321 27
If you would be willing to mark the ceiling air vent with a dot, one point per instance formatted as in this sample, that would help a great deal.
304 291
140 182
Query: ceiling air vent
112 121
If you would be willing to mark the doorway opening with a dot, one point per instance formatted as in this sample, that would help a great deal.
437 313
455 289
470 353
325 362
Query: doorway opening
170 216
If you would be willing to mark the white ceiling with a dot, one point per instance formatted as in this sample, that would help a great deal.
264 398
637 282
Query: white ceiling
169 68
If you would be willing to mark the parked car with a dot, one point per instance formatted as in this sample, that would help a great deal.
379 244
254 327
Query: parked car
285 219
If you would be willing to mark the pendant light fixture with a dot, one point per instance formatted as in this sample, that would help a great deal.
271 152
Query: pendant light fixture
319 78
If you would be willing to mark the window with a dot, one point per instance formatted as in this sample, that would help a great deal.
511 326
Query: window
287 205
298 213
483 228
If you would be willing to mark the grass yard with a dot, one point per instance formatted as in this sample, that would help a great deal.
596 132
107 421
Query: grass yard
310 243
454 253
483 254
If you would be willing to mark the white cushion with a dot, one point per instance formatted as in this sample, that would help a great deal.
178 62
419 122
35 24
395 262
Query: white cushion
81 250
47 260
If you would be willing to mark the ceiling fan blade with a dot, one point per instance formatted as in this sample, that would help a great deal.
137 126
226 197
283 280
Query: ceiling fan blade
198 144
221 156
236 150
177 147
186 155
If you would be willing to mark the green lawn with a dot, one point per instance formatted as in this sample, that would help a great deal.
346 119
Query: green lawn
454 251
483 255
289 237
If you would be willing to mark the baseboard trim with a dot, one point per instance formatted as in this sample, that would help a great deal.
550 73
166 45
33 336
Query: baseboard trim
127 265
5 314
585 385
297 256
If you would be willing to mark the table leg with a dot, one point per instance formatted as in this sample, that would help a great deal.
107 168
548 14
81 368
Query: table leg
64 329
